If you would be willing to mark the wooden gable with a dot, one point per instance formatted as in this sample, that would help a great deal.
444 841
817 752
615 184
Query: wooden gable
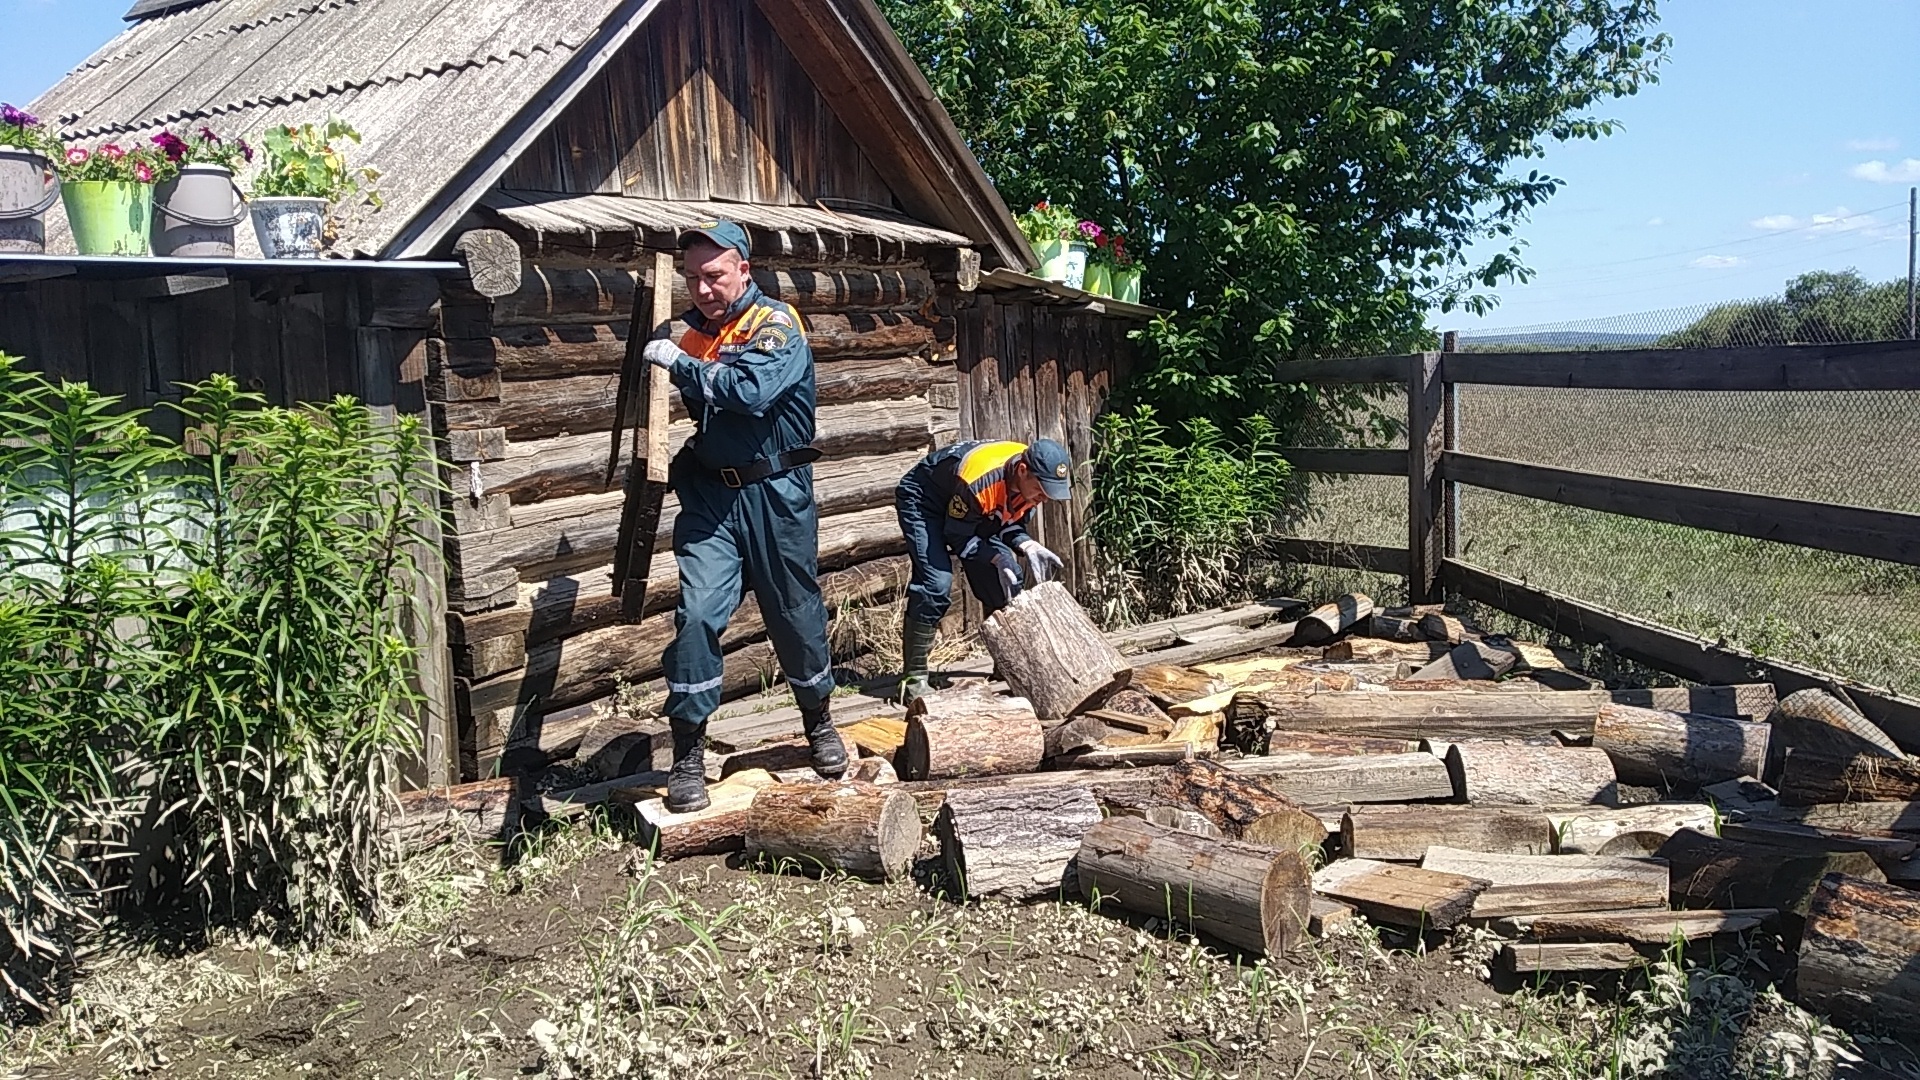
705 103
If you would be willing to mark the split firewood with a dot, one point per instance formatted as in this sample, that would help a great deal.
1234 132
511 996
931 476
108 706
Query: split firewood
969 732
1170 684
1326 914
1470 660
1130 702
1253 897
867 770
1373 650
1014 844
1404 833
482 810
1392 894
1860 955
1712 872
1252 669
1050 653
857 829
1079 733
1509 772
1329 621
1394 628
879 736
1538 884
1542 958
1634 927
1443 714
1816 721
1320 779
1810 777
1241 807
1658 748
1154 727
721 827
1313 742
1628 831
1437 626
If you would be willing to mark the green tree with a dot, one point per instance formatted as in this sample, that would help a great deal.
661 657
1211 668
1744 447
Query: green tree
1301 176
1818 307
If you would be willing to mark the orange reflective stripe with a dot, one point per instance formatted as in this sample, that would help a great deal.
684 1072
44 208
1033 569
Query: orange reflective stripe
984 471
703 346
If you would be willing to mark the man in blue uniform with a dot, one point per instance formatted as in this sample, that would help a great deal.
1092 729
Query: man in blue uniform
971 501
747 516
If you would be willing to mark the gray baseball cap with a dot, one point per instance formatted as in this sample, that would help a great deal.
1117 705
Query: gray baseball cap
1052 467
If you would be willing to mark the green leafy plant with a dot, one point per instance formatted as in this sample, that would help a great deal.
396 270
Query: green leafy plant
306 161
204 146
22 130
113 163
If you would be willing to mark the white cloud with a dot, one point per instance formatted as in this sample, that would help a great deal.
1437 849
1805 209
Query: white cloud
1873 146
1656 222
1906 171
1714 262
1775 222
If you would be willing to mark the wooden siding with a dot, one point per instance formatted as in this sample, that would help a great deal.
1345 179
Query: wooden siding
706 103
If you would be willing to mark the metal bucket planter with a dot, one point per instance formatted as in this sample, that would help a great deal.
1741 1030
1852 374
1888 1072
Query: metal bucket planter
1065 262
1099 279
194 213
289 227
27 190
109 217
1126 285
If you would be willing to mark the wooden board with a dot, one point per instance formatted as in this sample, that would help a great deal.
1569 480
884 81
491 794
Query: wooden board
1539 958
1538 884
1635 927
1394 895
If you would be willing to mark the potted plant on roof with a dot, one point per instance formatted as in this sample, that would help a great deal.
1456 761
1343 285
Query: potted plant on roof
303 177
108 193
1060 240
28 184
1099 279
1126 273
195 212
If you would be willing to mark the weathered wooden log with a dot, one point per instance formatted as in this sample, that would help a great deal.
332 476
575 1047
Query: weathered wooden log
1395 895
879 736
1810 777
1241 807
1318 779
1329 621
721 827
483 810
1051 654
862 830
1538 884
1628 831
1438 626
1374 650
1860 955
1394 628
964 732
492 261
1893 817
1077 734
550 294
1326 914
1404 833
1446 714
624 745
1171 684
1313 742
1252 897
1470 660
1710 872
1886 849
1748 701
1542 958
1141 802
1662 749
1634 927
1816 721
1014 844
1509 772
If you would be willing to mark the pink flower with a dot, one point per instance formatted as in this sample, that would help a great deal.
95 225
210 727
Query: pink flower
1089 230
112 152
142 173
77 156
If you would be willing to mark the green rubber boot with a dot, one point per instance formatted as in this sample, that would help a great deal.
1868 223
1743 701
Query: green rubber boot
916 642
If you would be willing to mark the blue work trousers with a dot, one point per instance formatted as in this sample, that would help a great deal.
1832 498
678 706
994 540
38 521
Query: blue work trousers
993 571
764 536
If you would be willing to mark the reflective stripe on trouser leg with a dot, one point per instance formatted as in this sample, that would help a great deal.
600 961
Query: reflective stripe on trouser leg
708 550
930 590
993 572
780 542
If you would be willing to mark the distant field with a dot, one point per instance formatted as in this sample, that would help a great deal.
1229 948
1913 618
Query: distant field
1857 617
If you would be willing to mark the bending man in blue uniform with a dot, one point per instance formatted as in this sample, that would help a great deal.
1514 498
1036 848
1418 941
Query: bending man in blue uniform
971 501
747 516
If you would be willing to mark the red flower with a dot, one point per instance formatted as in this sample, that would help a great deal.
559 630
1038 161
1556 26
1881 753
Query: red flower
112 152
1041 206
142 173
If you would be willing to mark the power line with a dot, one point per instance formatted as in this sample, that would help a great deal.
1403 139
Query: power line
1771 235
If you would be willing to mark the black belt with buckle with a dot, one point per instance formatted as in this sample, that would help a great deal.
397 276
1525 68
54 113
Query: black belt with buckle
765 467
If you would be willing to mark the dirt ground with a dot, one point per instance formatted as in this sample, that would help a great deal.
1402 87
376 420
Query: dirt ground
582 959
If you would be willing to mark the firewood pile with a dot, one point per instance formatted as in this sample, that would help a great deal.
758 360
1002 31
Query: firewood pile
1399 764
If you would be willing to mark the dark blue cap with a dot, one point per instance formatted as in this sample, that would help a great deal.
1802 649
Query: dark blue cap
723 234
1048 462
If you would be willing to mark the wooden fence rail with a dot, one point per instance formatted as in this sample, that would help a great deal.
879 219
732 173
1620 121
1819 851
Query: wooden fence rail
1435 466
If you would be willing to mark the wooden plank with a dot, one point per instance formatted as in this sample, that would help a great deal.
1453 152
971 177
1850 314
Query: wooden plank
1689 657
1635 927
1541 958
769 146
1427 513
636 95
1358 371
1376 558
1345 461
1879 365
1395 895
1540 884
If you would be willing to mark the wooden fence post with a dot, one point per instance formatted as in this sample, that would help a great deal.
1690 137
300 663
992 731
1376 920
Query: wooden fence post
1450 343
1426 492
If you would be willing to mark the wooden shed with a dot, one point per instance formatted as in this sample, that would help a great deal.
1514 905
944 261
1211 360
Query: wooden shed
590 132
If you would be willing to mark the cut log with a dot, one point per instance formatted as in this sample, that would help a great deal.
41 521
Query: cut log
1442 714
1394 895
1436 626
862 830
1470 660
1642 928
1509 772
1816 721
1326 915
1860 956
1051 654
1134 757
1142 803
965 732
1081 733
1171 684
1809 777
1394 628
1404 833
1373 650
1252 897
1241 807
721 827
1806 838
1543 958
1747 701
879 736
1662 749
1317 779
1329 621
1628 831
1710 872
1015 844
483 810
1537 884
1894 817
1313 742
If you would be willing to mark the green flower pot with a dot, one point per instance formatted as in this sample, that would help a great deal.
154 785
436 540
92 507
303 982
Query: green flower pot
1126 285
1053 256
1099 279
109 217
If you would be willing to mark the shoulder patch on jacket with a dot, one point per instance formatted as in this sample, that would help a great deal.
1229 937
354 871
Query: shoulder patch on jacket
779 317
957 506
771 338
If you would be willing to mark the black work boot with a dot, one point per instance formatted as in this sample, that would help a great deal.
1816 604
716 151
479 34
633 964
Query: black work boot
829 753
916 644
687 780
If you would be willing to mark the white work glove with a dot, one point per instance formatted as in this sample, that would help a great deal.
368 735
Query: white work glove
662 353
1044 564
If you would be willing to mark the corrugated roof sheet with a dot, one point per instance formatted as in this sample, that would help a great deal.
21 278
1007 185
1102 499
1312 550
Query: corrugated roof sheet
581 214
426 83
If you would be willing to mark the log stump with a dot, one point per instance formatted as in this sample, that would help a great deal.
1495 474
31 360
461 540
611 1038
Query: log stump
1051 654
1014 843
1509 772
1661 749
720 827
970 732
857 829
1809 778
1860 954
1404 833
1252 897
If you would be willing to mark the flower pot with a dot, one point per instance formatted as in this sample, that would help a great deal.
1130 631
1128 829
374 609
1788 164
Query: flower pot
289 227
194 213
109 217
1126 285
1099 280
27 190
1064 261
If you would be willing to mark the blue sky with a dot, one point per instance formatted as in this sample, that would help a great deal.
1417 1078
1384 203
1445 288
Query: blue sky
1782 137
